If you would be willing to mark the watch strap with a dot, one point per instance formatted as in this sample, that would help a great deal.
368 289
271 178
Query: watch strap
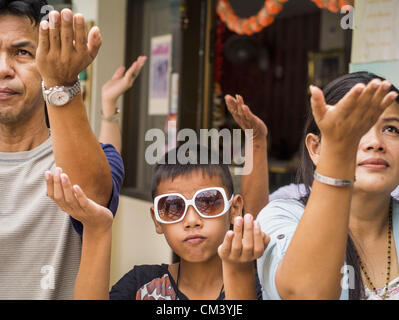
72 91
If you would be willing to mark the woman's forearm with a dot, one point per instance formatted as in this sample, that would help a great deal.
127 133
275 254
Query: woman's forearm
110 132
311 267
255 184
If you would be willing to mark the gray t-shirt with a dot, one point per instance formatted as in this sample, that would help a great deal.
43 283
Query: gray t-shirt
39 251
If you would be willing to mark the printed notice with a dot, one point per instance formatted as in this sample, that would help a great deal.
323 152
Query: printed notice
379 31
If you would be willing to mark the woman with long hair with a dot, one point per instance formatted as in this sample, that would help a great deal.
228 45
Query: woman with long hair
338 241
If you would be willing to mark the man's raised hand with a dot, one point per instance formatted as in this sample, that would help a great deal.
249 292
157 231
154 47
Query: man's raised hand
65 49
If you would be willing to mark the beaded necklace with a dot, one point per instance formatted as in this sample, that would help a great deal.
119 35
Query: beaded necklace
362 267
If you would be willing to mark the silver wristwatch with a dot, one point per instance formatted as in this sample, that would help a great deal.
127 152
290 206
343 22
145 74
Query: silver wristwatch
60 95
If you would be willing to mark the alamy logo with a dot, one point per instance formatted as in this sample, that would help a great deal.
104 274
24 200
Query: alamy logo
231 151
48 280
347 21
348 278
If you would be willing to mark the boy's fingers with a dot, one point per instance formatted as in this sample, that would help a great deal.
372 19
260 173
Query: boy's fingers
58 192
84 202
225 248
236 246
68 191
259 241
48 176
248 238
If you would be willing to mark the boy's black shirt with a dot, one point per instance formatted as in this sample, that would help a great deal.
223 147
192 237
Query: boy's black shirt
154 282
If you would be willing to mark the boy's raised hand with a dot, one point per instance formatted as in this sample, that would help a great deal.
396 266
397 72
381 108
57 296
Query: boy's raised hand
72 200
245 243
122 81
244 117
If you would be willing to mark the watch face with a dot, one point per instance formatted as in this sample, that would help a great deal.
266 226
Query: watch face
58 98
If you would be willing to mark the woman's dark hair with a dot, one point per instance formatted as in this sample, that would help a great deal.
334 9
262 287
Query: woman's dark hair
29 8
201 160
334 92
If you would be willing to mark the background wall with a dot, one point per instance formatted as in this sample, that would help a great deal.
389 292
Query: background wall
134 238
386 69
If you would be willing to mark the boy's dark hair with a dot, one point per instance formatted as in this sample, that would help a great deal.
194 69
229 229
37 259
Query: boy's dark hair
29 8
164 170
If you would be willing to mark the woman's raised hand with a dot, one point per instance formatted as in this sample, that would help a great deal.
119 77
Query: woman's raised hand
353 116
244 117
122 81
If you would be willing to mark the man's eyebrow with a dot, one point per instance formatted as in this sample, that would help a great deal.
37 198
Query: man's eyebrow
23 44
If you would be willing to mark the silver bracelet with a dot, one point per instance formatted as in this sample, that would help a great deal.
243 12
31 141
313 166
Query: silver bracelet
115 117
332 181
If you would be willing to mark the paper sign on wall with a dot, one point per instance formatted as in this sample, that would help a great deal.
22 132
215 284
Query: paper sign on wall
160 69
379 30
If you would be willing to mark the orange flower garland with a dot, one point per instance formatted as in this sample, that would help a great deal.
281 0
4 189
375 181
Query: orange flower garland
333 5
266 15
253 24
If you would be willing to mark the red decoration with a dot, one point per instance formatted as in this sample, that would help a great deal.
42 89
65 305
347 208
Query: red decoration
266 15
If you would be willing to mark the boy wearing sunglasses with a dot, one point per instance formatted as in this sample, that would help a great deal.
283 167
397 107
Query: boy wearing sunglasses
194 207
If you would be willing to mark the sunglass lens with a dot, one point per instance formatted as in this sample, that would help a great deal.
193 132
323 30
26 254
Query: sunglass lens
210 202
171 208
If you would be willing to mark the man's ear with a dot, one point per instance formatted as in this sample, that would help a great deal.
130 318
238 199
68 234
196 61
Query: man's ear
236 208
313 145
158 226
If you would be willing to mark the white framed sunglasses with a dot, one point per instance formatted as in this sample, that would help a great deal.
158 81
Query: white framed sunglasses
209 203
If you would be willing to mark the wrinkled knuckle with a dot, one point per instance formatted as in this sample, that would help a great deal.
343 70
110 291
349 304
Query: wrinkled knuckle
258 253
59 199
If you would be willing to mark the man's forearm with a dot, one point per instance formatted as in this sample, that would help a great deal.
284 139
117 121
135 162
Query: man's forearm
78 152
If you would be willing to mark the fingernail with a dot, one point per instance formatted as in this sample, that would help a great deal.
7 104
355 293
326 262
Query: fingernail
248 218
58 171
238 221
46 175
53 19
79 19
386 85
376 83
44 25
67 16
63 177
256 224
